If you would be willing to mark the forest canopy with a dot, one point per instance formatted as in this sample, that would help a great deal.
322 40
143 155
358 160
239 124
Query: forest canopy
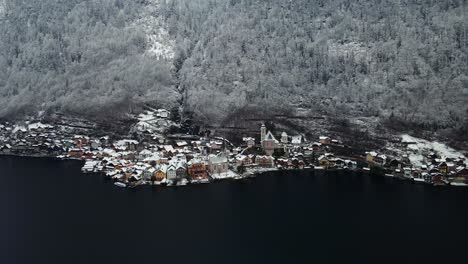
405 59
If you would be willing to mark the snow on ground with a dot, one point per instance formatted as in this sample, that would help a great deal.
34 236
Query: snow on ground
38 125
359 50
161 46
2 7
228 175
421 147
19 128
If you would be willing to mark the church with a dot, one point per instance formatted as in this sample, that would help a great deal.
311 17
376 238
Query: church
268 141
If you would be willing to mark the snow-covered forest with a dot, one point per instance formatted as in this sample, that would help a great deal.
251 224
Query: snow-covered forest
406 60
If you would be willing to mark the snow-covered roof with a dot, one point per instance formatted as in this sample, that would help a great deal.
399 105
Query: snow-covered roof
296 139
218 159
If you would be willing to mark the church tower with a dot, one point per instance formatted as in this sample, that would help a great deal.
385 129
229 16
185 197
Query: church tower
262 133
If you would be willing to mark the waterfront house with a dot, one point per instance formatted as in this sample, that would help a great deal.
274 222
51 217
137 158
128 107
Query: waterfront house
243 160
160 173
76 153
438 179
171 172
181 171
370 156
461 175
324 161
264 161
197 169
394 164
407 173
443 168
148 173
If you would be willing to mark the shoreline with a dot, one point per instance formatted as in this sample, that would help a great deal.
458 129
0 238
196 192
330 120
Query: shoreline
318 171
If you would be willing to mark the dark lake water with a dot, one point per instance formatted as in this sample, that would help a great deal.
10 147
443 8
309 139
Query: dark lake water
51 213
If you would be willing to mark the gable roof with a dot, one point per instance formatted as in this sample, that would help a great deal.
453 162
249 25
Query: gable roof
269 136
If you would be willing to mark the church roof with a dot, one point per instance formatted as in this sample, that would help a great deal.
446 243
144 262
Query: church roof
269 136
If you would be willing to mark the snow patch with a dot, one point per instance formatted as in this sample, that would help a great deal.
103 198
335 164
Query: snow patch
2 7
161 46
227 175
418 148
358 50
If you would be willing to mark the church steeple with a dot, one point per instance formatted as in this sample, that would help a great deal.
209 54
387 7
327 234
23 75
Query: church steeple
262 133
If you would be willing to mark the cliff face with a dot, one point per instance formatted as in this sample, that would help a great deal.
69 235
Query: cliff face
403 61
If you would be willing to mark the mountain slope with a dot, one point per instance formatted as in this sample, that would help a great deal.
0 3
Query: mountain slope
86 57
402 59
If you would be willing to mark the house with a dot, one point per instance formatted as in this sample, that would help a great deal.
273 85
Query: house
326 161
216 145
218 164
375 159
243 160
160 173
171 173
163 113
181 144
407 173
264 161
284 138
370 156
438 179
394 164
148 173
324 140
95 144
80 141
296 140
461 175
197 169
352 165
181 171
144 154
249 141
126 144
75 153
443 168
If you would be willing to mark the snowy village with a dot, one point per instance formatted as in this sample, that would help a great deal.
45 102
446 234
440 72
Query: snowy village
155 157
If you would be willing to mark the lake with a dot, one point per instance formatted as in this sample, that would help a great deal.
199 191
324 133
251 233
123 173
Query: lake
52 213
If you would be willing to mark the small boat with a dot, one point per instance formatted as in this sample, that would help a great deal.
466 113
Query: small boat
120 184
389 175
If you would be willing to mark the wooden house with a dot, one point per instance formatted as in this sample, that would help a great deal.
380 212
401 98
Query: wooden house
160 173
265 161
197 170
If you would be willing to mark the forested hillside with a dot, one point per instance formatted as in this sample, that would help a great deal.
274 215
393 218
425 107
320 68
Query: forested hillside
404 59
79 56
